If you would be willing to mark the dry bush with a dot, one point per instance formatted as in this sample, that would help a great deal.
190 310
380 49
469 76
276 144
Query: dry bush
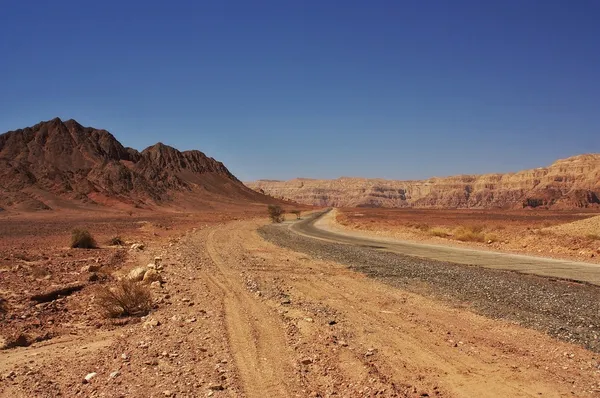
116 241
3 306
38 272
439 232
491 238
469 234
420 226
593 236
123 299
297 213
275 213
82 239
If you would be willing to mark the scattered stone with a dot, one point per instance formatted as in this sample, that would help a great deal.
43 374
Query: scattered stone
286 301
124 357
137 246
137 274
332 322
190 320
168 393
216 387
91 268
151 323
114 374
306 361
343 343
151 276
89 377
155 285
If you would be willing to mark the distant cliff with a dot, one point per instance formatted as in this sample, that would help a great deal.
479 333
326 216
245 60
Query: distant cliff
568 183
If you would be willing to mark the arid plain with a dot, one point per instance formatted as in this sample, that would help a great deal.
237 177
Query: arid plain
239 306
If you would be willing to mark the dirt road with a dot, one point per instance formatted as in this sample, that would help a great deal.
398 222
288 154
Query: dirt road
321 228
240 316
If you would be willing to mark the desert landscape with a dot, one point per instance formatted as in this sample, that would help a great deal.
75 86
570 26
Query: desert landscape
158 273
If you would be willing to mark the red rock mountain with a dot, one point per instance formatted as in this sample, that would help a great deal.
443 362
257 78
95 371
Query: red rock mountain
58 164
568 183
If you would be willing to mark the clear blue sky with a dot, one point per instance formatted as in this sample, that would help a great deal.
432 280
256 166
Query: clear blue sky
280 89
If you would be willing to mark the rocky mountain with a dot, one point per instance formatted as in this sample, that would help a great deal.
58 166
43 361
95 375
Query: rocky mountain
568 183
63 164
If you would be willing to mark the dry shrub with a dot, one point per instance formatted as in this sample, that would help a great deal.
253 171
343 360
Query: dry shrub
420 226
3 306
38 272
439 232
123 299
82 239
491 238
469 234
276 213
116 241
593 236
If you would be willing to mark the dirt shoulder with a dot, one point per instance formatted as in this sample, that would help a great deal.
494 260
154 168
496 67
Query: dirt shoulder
570 235
239 316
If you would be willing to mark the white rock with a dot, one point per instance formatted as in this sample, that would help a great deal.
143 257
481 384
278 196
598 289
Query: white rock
89 377
137 274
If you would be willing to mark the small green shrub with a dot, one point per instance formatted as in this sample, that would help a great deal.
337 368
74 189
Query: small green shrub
82 239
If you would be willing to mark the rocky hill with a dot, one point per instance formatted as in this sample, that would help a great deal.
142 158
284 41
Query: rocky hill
568 183
63 164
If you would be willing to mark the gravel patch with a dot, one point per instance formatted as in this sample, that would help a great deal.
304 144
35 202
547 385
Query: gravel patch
567 310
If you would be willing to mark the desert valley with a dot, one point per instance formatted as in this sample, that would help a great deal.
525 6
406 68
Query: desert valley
159 273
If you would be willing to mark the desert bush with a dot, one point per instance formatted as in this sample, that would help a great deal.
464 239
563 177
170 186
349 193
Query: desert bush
593 236
82 239
297 213
491 238
125 298
275 213
468 234
3 306
116 241
439 232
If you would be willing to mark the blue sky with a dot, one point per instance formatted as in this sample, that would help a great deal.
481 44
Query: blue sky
281 89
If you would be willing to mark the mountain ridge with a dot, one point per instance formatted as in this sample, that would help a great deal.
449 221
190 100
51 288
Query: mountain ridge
66 163
568 183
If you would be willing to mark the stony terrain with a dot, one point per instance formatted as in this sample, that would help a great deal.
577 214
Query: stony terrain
567 183
57 164
239 316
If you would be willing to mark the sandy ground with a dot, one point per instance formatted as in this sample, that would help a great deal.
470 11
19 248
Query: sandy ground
238 316
571 235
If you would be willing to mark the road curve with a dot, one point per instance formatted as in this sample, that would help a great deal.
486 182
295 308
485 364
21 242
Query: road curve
572 270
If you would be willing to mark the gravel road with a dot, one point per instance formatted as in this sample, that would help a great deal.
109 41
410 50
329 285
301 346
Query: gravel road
567 310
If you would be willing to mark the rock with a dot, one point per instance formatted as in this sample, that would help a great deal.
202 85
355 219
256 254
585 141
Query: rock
151 323
93 277
332 322
155 285
286 301
137 274
114 374
306 361
151 276
490 241
157 261
190 320
216 387
168 393
125 357
89 377
91 268
137 246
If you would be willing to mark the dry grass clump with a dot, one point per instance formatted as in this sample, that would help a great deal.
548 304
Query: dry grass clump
82 239
125 298
491 238
276 213
593 236
420 226
439 232
116 241
469 234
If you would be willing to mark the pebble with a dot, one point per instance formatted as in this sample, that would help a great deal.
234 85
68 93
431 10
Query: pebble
216 387
89 377
114 374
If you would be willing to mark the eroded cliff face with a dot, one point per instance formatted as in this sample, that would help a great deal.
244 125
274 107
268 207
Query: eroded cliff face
568 183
